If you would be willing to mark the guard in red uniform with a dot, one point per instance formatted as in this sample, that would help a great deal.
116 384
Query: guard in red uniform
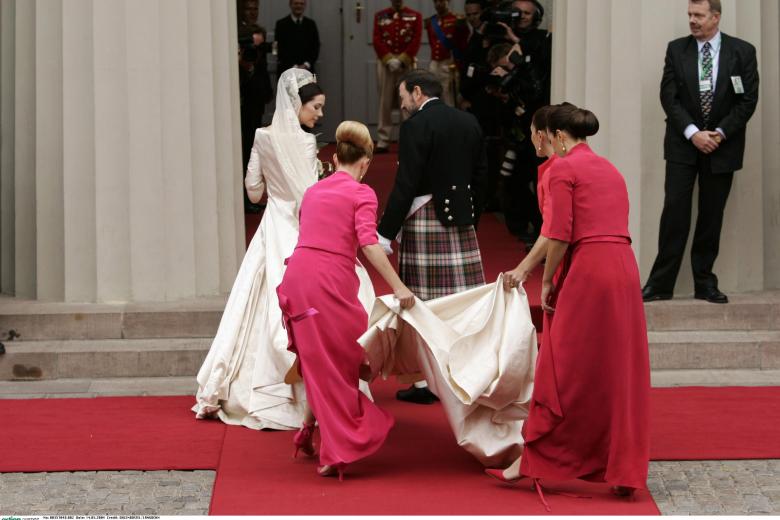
397 34
447 34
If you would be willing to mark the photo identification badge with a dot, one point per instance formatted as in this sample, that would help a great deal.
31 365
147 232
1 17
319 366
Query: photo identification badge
737 82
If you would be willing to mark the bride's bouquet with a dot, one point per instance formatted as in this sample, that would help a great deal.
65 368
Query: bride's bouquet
324 168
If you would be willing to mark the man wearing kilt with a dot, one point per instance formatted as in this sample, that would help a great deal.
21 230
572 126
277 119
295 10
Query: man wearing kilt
436 199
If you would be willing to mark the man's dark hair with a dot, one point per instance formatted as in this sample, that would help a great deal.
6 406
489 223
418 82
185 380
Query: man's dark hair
497 52
715 5
427 81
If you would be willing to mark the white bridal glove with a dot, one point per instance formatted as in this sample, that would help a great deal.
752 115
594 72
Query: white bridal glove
394 64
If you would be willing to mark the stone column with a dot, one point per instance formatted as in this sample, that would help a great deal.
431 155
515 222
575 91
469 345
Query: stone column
608 56
123 120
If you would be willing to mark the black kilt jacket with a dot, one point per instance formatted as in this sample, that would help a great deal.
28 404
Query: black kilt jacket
441 152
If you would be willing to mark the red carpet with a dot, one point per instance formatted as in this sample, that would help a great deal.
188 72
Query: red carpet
420 470
697 423
111 433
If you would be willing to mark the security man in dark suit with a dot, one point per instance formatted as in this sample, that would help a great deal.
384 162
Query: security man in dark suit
297 39
709 91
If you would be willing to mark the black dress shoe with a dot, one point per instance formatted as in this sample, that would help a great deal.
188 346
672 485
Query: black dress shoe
711 294
416 395
649 294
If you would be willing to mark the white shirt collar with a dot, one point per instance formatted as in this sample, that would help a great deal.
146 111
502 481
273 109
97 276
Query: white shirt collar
296 19
426 102
714 42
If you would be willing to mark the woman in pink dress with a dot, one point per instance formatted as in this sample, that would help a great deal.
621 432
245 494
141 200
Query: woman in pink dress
319 301
588 417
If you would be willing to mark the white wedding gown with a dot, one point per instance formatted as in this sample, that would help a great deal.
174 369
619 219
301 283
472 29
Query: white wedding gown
242 379
477 350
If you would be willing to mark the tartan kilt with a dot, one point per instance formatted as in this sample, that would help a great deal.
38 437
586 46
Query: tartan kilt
435 260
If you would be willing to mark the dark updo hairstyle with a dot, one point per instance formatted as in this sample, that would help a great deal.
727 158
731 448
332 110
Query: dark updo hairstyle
308 92
541 118
578 122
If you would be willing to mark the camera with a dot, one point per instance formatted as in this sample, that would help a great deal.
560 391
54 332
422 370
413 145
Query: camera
492 17
506 81
247 48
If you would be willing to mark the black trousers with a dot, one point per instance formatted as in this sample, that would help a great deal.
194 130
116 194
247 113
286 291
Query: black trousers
714 190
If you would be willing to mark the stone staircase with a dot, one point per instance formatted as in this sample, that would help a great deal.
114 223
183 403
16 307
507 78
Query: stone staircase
104 349
695 342
75 349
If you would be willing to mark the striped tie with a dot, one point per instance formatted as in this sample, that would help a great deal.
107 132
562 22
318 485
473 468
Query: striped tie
705 96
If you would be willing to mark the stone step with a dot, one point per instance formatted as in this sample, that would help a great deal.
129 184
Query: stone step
715 349
74 359
735 377
760 311
160 357
33 320
186 385
68 321
99 387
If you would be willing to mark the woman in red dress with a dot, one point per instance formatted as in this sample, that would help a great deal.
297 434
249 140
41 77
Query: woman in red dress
544 148
588 417
323 316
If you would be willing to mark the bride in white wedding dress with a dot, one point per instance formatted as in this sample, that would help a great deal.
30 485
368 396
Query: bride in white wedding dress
242 379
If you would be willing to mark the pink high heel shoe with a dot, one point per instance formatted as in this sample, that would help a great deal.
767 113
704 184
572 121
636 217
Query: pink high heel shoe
304 440
332 471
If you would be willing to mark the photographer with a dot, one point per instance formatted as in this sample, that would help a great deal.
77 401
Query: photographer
254 88
536 43
520 87
474 80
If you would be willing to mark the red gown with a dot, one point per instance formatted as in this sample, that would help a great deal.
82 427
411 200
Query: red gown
324 318
542 188
589 413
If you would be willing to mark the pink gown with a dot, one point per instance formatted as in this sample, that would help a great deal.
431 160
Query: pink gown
589 415
324 318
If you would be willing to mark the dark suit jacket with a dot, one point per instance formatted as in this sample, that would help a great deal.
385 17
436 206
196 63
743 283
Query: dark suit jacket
296 43
730 111
441 152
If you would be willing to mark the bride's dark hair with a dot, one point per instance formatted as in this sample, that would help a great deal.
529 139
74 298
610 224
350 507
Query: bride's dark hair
308 92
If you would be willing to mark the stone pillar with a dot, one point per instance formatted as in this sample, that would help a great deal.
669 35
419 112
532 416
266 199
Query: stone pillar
124 181
608 56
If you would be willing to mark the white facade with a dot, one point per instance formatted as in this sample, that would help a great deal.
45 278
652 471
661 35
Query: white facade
120 150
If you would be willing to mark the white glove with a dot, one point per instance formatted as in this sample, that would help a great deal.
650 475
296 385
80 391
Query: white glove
394 64
386 244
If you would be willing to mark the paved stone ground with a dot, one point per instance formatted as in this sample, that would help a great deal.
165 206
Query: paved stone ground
107 493
728 487
744 487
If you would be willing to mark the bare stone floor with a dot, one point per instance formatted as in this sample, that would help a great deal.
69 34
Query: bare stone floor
746 487
106 493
